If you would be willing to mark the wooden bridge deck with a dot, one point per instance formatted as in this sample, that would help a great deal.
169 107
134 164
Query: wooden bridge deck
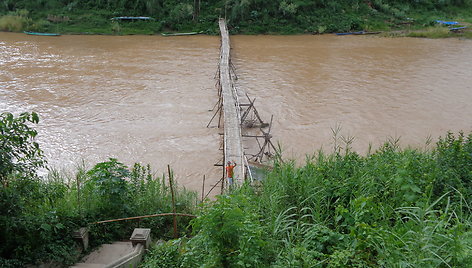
233 146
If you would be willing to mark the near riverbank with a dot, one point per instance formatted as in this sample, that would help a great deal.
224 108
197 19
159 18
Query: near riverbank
340 209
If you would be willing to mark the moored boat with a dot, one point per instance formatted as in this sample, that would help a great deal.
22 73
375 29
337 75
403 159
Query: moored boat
458 29
180 34
42 34
357 33
132 18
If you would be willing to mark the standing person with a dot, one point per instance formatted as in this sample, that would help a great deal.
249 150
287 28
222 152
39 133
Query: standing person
230 172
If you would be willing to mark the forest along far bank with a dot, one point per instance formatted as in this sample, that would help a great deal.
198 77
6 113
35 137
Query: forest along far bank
244 17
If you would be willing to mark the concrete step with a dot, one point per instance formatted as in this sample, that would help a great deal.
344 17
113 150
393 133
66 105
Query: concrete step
122 242
88 265
108 253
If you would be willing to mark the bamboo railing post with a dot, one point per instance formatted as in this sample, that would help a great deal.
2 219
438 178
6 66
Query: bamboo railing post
77 178
171 184
203 188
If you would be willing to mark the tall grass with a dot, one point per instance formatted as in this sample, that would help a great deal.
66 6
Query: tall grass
392 208
432 32
11 23
15 21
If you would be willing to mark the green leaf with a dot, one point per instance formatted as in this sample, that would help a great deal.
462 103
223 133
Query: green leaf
34 117
46 227
415 188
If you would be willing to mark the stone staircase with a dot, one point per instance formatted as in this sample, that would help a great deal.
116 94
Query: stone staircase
118 254
106 254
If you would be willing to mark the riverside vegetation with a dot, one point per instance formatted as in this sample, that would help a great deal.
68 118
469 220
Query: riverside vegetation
244 16
391 208
38 215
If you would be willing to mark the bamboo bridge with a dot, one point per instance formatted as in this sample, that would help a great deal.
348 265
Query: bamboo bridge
233 147
237 117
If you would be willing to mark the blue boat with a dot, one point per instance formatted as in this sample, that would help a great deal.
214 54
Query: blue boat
42 34
447 22
457 29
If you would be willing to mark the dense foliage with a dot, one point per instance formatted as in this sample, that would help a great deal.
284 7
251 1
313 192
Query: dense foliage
246 16
38 215
19 153
391 208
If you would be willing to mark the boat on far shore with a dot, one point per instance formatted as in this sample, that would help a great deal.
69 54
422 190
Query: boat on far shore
42 34
357 33
132 18
180 34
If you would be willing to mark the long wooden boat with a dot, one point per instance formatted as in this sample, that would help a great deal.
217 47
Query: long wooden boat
357 33
180 34
42 34
458 29
132 18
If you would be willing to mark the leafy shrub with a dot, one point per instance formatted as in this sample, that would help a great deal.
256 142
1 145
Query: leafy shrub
163 255
29 232
108 182
20 155
227 234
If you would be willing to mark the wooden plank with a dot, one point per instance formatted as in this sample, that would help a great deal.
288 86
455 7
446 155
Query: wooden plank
233 148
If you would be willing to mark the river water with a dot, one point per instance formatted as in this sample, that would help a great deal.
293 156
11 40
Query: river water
146 98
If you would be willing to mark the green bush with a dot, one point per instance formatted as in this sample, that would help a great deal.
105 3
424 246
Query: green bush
107 181
20 155
227 234
164 255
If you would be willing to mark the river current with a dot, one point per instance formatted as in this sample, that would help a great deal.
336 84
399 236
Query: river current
146 98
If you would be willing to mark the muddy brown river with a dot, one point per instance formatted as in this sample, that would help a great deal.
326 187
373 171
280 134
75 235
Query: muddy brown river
146 98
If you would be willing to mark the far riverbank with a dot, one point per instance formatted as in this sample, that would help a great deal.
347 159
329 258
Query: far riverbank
279 17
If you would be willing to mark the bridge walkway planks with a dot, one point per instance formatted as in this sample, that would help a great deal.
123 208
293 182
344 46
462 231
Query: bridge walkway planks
233 146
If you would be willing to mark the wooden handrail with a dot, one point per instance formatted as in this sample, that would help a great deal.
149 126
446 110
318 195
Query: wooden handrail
148 216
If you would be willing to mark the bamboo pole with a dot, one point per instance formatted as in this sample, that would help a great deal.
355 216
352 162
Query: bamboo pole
147 216
173 200
203 188
77 178
214 187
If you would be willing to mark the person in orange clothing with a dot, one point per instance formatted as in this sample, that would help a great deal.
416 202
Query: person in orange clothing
230 172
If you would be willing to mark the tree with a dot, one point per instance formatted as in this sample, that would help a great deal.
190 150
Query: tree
20 155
